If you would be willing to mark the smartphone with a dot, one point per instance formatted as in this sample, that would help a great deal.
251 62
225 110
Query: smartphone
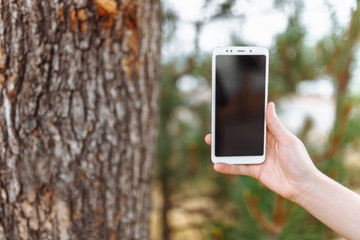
239 100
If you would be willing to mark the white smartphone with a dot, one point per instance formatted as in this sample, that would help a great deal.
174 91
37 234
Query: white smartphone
239 100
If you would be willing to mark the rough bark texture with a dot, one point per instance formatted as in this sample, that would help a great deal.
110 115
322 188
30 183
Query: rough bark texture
78 107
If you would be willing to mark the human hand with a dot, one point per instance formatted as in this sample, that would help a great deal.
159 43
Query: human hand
287 169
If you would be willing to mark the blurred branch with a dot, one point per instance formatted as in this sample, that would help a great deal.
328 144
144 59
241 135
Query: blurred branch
343 55
188 226
190 65
308 125
339 66
204 211
191 60
342 124
224 9
279 219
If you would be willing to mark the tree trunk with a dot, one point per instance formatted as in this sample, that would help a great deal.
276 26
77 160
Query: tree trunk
79 83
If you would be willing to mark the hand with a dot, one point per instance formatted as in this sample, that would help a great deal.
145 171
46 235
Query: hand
287 169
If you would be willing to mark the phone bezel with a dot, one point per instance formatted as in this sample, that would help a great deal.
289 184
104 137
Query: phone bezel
237 50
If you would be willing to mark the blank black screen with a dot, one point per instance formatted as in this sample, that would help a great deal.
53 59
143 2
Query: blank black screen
240 104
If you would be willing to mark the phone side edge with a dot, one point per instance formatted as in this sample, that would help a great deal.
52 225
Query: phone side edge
213 69
266 98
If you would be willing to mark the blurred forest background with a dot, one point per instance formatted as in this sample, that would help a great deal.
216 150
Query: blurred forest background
314 81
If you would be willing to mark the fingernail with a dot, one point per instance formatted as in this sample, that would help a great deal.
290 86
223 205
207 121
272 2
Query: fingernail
274 109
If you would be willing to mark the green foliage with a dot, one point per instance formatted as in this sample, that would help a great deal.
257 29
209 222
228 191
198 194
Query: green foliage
291 60
248 210
302 226
352 133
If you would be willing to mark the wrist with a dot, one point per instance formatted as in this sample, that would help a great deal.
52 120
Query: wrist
308 191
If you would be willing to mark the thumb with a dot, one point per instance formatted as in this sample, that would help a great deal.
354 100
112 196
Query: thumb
276 127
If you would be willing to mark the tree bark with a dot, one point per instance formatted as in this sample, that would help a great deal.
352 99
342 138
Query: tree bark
79 84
